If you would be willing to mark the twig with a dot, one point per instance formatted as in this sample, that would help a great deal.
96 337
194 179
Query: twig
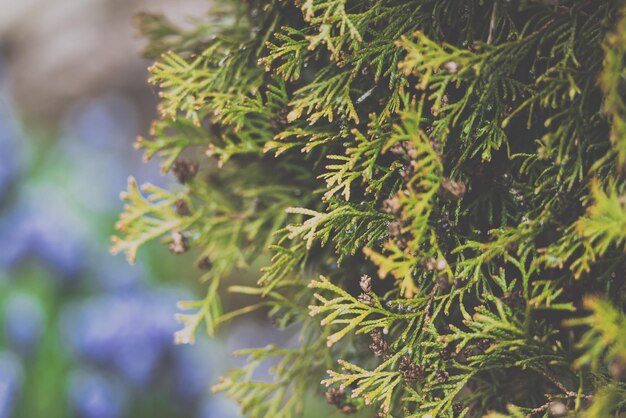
569 394
431 297
539 409
555 382
492 21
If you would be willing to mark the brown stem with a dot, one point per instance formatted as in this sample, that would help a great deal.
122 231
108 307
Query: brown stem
431 297
555 382
568 393
492 21
539 409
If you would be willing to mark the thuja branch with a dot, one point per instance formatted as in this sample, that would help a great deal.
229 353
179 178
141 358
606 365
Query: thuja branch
453 172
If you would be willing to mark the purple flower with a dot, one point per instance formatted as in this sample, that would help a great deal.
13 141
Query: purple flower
114 274
98 134
93 395
44 226
56 234
23 322
14 239
193 369
11 376
129 332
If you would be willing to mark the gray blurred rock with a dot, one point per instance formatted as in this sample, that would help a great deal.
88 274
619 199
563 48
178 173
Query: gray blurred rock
60 50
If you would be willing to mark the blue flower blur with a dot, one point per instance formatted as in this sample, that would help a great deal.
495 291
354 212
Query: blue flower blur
84 334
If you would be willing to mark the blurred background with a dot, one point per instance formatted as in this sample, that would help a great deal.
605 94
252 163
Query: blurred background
83 334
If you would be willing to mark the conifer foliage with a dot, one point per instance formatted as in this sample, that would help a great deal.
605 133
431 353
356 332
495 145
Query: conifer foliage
437 189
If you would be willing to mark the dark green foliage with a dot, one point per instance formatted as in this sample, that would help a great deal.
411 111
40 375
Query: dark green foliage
469 155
